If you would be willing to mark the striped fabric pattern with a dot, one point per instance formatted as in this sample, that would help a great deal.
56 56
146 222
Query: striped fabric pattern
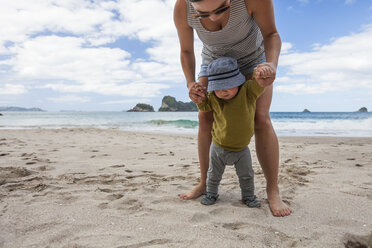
241 38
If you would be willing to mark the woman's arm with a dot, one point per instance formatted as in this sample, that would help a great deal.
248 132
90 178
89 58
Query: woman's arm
186 38
263 14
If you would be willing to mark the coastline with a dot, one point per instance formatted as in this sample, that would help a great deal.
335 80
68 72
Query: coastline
89 187
335 124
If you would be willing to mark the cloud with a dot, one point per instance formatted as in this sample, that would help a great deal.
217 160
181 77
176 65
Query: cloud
341 65
130 90
22 18
10 89
69 99
349 1
286 47
75 68
63 46
65 58
141 100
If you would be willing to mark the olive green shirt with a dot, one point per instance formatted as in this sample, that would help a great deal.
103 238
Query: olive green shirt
233 125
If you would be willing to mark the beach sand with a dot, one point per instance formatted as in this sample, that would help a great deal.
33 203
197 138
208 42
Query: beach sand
110 188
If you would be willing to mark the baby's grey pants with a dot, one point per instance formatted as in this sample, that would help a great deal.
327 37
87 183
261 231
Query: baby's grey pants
219 158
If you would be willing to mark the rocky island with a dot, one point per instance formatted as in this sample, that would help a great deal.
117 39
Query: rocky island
306 111
363 110
170 104
142 107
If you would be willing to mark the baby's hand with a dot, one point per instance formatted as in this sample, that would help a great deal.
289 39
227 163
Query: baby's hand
265 74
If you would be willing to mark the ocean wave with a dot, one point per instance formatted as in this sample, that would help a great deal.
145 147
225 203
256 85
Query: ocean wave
285 124
324 127
176 123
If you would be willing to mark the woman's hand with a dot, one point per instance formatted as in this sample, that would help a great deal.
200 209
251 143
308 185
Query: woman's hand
265 73
197 92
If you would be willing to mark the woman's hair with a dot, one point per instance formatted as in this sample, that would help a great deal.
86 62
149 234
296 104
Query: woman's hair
193 1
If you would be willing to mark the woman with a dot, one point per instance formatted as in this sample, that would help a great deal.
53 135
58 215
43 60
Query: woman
245 30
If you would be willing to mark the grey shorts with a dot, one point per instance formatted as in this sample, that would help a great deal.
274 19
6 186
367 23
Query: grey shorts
244 71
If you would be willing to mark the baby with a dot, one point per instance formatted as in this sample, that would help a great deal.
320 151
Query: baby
233 102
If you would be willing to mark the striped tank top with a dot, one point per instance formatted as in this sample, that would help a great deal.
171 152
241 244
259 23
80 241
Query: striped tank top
241 38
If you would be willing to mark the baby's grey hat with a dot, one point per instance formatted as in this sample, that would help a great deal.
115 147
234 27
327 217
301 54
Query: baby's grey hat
223 73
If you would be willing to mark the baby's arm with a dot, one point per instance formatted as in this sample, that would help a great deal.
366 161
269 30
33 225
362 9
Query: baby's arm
205 106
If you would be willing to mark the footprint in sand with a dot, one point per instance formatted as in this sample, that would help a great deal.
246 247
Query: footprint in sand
114 197
218 211
235 226
200 217
104 190
154 242
118 166
13 172
40 187
103 205
182 187
353 241
44 168
28 154
128 204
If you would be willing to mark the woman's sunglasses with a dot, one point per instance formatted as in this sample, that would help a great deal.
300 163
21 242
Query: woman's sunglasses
216 12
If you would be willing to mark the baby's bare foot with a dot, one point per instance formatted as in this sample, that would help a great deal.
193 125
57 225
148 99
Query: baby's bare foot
195 193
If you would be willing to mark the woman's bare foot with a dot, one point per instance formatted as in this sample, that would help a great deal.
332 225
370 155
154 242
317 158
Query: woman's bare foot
277 206
195 193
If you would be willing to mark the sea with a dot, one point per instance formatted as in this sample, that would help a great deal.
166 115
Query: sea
340 124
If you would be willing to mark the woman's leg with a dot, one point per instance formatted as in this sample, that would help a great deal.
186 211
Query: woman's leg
204 143
267 149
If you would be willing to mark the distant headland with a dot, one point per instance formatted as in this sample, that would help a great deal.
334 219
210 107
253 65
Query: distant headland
168 104
12 108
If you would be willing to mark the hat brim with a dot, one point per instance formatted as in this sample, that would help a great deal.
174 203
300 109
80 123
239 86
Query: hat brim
224 84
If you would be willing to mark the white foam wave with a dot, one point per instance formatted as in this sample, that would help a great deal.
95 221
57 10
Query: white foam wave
356 128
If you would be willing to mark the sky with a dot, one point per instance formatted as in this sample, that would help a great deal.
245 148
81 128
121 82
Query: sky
95 55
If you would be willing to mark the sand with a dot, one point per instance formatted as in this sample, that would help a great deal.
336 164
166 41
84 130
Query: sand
110 188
